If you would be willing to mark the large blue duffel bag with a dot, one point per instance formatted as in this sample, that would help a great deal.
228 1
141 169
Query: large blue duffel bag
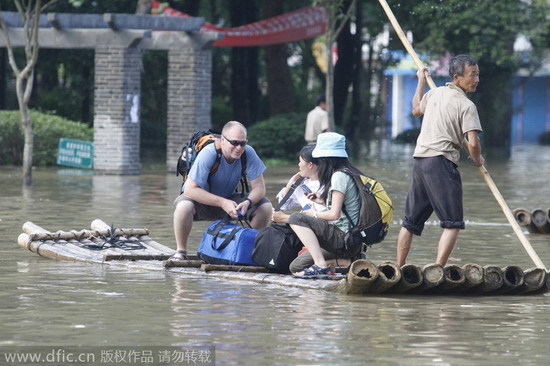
225 242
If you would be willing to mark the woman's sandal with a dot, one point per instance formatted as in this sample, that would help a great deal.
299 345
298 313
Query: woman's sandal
317 272
179 255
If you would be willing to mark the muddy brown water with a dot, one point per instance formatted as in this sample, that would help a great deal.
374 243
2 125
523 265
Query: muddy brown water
74 307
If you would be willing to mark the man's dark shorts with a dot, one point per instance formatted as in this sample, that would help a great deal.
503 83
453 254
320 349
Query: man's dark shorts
435 186
205 212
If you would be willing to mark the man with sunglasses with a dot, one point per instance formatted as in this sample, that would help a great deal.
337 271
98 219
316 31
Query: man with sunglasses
213 196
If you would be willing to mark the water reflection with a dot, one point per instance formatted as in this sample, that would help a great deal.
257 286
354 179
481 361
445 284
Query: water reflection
60 303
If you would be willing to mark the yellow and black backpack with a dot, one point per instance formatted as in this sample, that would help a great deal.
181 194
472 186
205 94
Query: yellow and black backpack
375 214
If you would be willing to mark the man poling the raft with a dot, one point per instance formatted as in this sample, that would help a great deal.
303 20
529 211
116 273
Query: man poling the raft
424 75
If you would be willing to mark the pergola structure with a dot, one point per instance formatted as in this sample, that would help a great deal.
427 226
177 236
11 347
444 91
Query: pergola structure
119 41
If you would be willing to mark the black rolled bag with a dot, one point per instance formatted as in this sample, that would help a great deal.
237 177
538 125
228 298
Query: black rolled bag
275 247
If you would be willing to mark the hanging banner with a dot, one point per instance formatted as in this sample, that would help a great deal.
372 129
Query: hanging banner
298 25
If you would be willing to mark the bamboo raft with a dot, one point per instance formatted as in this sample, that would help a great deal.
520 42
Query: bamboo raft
133 248
535 221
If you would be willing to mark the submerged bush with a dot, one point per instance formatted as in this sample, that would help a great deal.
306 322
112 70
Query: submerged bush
47 128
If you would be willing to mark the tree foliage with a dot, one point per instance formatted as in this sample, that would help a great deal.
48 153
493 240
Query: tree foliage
486 30
256 83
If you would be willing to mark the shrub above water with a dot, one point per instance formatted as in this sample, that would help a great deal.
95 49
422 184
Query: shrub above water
47 128
279 137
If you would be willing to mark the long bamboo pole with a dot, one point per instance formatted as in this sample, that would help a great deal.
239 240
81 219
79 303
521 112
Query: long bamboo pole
492 186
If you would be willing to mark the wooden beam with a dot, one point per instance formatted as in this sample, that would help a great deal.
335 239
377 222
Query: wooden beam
114 21
93 38
78 38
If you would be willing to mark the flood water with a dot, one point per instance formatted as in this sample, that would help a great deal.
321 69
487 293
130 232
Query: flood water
92 308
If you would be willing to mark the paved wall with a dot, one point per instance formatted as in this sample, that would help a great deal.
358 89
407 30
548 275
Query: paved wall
117 107
189 98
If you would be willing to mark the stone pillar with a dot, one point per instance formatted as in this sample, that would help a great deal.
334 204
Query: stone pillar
116 110
189 97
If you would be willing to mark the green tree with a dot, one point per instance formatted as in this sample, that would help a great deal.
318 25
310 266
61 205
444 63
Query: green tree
337 17
29 12
245 91
280 90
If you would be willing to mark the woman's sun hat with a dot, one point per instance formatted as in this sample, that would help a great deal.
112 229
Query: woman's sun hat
330 145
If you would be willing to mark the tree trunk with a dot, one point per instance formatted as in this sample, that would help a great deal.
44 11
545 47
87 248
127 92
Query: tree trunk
336 20
244 63
494 101
3 79
280 90
345 73
354 128
329 88
24 86
28 147
30 15
366 116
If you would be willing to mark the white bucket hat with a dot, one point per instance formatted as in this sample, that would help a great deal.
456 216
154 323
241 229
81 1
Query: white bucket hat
330 145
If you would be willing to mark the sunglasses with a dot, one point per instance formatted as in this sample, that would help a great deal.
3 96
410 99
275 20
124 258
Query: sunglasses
236 142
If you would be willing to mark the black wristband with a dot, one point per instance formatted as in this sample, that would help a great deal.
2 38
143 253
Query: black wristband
249 200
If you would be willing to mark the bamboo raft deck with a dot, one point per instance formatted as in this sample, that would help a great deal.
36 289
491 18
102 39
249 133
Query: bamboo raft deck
134 248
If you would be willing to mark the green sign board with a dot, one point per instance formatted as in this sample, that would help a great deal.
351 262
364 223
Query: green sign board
75 153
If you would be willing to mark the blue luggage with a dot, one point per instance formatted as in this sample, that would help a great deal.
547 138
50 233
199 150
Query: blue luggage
225 242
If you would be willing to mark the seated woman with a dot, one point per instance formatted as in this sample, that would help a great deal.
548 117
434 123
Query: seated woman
322 232
307 166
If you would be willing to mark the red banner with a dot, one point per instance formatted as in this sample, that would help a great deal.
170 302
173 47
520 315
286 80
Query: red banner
301 24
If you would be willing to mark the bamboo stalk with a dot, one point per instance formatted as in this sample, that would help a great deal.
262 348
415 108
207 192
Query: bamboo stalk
135 257
511 280
473 275
31 228
492 280
539 220
48 249
362 275
100 226
411 277
389 275
454 277
524 219
533 281
182 263
146 240
236 268
433 276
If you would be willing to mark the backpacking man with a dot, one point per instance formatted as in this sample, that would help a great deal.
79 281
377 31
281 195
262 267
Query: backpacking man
449 117
208 196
